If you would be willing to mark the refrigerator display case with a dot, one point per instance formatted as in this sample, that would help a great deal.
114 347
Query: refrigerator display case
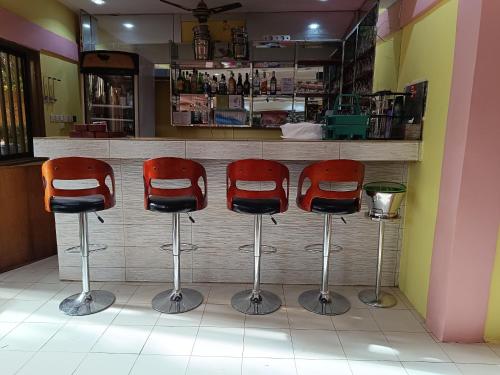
118 91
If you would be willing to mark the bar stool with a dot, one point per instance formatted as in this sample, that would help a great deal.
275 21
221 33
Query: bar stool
262 202
329 203
384 200
81 202
175 201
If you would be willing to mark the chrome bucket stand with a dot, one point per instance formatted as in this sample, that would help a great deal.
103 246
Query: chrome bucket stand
323 301
256 301
88 301
177 300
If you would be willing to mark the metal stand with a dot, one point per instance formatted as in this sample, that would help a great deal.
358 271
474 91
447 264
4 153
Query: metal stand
177 300
323 301
256 301
88 301
376 297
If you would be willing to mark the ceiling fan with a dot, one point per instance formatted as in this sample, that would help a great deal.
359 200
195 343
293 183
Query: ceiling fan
202 11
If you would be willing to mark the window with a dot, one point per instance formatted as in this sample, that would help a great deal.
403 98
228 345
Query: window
15 130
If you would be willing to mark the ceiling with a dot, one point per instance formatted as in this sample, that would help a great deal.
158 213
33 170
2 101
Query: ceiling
249 6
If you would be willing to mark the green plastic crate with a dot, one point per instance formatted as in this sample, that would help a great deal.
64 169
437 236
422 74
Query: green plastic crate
353 125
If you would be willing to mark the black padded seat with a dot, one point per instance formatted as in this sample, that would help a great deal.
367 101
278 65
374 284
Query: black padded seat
335 206
256 206
172 204
74 205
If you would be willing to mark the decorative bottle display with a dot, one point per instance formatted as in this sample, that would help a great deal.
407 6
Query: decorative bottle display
256 83
239 85
206 84
273 84
246 85
180 83
222 85
263 84
231 85
214 86
199 84
194 82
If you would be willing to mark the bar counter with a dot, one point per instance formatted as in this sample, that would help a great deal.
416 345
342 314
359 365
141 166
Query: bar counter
133 236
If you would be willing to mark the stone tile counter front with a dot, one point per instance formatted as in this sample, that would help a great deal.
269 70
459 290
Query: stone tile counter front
134 236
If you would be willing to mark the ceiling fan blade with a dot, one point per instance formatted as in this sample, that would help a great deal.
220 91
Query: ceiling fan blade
225 8
176 5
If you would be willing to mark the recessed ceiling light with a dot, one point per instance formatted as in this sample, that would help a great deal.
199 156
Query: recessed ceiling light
86 25
128 25
98 2
314 26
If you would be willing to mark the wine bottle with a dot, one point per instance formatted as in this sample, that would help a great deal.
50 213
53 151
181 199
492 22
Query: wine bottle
256 83
273 87
239 85
246 85
231 85
263 84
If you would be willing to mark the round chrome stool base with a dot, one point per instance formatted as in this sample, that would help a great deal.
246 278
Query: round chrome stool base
311 300
268 303
87 303
369 297
190 299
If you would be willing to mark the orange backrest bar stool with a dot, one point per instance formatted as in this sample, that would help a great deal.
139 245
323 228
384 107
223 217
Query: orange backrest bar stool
80 201
257 203
175 201
329 202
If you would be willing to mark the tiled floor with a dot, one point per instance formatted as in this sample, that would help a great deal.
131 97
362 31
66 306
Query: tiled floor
131 338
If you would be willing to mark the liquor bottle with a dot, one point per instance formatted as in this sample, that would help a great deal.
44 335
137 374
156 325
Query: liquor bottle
206 84
263 84
180 83
273 87
239 85
194 84
256 83
199 84
231 85
222 85
187 85
246 85
214 86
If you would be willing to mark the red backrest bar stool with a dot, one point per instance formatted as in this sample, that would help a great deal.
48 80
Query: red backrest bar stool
80 201
175 201
328 203
257 203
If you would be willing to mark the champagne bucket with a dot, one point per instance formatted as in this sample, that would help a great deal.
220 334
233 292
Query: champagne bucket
384 199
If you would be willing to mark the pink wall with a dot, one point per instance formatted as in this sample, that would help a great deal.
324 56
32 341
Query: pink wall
25 33
469 205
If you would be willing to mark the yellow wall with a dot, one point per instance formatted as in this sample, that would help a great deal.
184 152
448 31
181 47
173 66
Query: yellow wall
49 14
492 329
427 47
67 93
387 57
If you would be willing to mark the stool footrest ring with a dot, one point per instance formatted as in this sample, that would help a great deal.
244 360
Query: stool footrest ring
93 247
318 248
265 249
185 247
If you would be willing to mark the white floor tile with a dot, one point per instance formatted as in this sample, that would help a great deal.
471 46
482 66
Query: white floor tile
495 348
300 318
278 319
159 364
322 367
476 369
5 328
123 292
315 344
351 293
416 347
75 338
40 292
376 368
14 310
390 320
102 318
425 368
51 277
144 294
12 361
109 364
171 341
26 275
219 342
355 320
48 313
29 336
122 339
292 293
143 315
52 363
222 316
214 366
471 353
366 346
221 294
268 366
3 300
188 319
268 343
11 289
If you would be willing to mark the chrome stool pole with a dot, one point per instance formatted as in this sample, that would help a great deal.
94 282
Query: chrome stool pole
323 301
256 301
177 300
88 301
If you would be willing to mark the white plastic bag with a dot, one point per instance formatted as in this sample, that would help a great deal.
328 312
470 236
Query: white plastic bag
301 130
